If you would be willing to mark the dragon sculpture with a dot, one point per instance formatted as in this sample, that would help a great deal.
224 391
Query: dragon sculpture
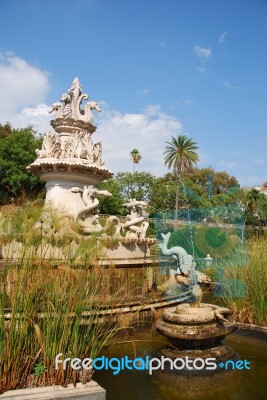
185 272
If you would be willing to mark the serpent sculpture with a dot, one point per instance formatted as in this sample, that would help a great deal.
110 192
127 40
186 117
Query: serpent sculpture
185 262
87 218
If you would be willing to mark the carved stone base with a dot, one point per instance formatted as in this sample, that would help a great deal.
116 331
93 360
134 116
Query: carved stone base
125 252
187 327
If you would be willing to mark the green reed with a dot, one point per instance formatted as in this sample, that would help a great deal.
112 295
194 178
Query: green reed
63 303
247 296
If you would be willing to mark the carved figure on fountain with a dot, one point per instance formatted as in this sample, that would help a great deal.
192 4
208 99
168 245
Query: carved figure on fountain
69 110
72 166
185 273
88 218
68 159
135 225
186 265
69 151
51 147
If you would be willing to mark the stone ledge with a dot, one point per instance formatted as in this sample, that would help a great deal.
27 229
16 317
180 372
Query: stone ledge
89 391
252 330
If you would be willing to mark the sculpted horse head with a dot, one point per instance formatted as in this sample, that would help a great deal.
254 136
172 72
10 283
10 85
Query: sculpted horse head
93 105
55 107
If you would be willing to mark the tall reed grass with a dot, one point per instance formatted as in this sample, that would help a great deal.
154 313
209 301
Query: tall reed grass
55 305
247 296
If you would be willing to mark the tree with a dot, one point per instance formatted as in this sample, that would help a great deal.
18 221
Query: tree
256 208
180 155
137 185
136 157
214 188
111 205
213 182
162 199
5 130
17 151
125 186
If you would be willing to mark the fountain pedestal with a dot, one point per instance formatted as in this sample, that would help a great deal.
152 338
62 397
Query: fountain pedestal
197 333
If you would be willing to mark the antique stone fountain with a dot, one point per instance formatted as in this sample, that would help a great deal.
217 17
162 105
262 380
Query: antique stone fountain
72 167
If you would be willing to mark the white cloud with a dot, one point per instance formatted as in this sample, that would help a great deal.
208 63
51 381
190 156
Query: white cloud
38 117
228 164
174 105
202 69
22 85
23 90
251 180
222 37
188 102
203 157
145 92
147 131
230 85
202 52
259 161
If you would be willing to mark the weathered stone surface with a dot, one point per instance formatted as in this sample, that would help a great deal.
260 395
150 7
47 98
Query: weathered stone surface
89 391
188 315
72 166
70 163
222 353
196 328
199 332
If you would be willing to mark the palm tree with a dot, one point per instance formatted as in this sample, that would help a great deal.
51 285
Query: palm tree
180 155
136 157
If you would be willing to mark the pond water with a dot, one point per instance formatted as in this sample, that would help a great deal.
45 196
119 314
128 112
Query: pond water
230 385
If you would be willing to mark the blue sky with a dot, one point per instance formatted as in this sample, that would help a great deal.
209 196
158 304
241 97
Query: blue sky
158 68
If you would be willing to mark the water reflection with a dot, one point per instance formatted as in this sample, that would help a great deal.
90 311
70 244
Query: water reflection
230 385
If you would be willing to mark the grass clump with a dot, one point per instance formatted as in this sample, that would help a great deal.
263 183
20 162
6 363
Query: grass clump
247 293
58 304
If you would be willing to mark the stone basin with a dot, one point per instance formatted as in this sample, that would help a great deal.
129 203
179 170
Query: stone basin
201 327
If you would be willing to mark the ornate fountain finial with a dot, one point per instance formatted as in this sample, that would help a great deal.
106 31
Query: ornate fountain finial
70 112
68 157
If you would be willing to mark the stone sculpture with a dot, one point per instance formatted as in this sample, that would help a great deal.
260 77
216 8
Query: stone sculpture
70 109
194 329
74 140
68 157
51 147
185 273
72 166
135 225
197 332
185 262
88 218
